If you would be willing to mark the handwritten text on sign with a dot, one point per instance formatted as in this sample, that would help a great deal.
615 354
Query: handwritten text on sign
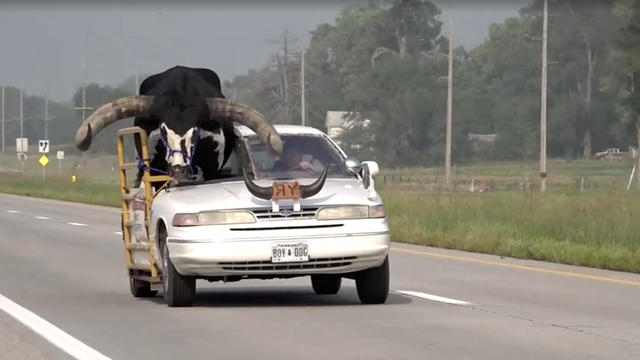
286 190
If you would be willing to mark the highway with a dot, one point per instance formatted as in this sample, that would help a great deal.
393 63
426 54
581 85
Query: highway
64 264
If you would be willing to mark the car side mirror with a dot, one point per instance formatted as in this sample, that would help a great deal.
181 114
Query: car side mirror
366 176
373 167
353 165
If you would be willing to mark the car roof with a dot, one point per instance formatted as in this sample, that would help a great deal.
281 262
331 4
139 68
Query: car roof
283 130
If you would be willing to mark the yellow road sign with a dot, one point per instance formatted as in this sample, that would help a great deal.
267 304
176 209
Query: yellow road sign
44 160
73 178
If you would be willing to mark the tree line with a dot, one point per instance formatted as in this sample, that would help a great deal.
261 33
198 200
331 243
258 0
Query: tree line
387 62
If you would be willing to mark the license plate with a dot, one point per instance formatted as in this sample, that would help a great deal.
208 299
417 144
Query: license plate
289 252
286 190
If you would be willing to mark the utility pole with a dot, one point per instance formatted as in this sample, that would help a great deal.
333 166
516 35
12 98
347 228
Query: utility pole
447 154
21 116
137 89
543 102
84 107
303 109
46 114
3 119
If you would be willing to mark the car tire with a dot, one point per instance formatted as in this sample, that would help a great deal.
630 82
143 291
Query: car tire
179 290
140 288
373 284
326 284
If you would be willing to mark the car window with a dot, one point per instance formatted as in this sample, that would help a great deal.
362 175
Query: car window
303 156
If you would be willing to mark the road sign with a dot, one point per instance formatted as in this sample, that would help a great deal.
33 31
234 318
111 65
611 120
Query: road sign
22 145
44 160
43 146
60 155
74 178
22 156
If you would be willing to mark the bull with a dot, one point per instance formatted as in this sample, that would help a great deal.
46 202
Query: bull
189 124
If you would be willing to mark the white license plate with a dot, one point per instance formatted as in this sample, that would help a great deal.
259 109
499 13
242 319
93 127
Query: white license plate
289 252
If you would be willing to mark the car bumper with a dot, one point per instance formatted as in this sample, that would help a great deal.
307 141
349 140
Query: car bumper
327 255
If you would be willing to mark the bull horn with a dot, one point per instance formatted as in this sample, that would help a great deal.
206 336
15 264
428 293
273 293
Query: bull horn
245 115
315 187
109 113
266 192
261 192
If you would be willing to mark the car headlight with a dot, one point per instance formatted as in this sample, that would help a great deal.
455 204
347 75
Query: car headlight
350 212
214 218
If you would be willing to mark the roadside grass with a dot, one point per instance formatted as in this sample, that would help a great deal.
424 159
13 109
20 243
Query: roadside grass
61 188
589 229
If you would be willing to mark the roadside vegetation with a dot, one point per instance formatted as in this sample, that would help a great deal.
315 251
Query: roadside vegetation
596 227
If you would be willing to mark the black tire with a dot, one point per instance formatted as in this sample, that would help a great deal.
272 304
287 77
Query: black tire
326 284
373 284
179 290
140 289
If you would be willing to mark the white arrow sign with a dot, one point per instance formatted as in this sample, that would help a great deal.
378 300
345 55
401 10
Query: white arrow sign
43 146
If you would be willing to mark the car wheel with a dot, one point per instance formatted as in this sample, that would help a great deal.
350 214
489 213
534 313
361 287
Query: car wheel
140 288
373 284
326 284
179 290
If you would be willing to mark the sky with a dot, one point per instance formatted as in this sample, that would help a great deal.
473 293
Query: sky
47 47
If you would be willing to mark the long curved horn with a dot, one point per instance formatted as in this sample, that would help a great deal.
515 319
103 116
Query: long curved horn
315 187
258 191
245 115
109 113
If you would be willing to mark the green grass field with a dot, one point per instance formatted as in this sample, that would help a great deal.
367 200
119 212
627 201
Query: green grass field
597 227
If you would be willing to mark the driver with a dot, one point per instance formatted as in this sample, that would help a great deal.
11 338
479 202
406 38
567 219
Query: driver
293 158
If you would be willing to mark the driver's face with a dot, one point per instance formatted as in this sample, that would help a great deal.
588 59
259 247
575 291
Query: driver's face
293 157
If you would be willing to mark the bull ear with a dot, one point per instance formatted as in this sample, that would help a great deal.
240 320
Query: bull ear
109 113
245 115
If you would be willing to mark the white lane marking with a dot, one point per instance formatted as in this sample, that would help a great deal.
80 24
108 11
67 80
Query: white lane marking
119 233
41 217
77 224
50 332
434 297
13 211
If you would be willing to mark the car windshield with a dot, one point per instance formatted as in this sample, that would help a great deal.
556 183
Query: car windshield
303 156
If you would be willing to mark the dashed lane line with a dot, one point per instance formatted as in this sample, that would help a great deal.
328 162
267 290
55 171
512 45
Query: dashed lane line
434 297
41 217
13 211
77 224
50 332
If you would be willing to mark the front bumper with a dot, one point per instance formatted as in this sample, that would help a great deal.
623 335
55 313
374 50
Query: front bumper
328 254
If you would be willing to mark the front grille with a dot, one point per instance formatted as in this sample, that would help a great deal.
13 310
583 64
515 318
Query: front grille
265 214
325 263
286 227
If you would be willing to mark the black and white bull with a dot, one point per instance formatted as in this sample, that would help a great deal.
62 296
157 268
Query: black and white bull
189 124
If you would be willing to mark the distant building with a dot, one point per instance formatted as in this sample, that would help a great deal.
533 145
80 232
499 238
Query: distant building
482 144
338 121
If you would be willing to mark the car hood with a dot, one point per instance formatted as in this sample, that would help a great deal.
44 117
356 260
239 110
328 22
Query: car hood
235 195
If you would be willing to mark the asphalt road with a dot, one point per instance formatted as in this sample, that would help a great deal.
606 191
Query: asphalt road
64 262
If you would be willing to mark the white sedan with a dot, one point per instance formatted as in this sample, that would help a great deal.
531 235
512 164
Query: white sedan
220 230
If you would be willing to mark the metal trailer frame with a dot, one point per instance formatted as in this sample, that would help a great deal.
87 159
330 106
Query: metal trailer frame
145 272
